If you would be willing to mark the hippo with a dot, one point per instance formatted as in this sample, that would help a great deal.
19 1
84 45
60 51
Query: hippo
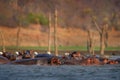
35 61
38 61
3 60
9 56
118 59
77 59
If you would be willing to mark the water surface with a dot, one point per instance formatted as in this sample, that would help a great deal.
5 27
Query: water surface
36 72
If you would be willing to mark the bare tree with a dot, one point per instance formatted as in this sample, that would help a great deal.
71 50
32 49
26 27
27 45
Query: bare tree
15 9
49 34
19 22
103 32
3 41
55 33
90 42
101 26
18 36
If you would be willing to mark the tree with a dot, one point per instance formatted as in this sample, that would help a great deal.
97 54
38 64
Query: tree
19 28
103 32
3 41
90 41
19 19
49 33
55 32
101 26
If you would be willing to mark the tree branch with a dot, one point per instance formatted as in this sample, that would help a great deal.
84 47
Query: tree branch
97 26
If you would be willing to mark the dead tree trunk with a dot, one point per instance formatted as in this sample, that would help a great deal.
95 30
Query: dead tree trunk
90 42
3 42
103 38
49 34
102 45
19 25
18 36
55 33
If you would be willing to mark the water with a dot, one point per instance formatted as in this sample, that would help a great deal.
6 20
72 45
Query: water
35 72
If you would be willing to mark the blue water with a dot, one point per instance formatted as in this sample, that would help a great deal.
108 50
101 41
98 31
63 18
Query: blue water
35 72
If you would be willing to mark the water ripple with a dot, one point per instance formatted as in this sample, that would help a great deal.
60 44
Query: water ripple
35 72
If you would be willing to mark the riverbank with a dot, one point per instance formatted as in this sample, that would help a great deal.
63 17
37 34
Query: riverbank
63 49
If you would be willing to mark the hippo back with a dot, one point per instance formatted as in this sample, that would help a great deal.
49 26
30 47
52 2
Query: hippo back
36 61
3 60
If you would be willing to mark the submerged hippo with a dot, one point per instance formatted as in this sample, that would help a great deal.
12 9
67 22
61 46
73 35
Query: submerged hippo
36 61
3 60
118 59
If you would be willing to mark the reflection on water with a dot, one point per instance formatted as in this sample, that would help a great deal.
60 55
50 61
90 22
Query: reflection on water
35 72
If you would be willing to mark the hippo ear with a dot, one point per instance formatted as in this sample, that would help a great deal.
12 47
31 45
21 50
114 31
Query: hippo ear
17 52
48 52
1 53
35 53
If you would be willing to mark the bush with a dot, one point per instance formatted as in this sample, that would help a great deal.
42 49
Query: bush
43 20
37 18
31 18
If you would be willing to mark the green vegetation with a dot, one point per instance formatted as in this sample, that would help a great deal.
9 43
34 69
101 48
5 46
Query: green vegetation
32 18
84 48
60 48
37 18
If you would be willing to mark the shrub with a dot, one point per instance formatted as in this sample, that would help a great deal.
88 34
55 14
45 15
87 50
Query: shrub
31 18
43 20
37 18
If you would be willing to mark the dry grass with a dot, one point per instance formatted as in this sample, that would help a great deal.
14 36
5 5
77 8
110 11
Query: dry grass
34 36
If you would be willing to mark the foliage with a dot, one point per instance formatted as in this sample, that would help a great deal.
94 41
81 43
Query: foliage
31 18
42 19
37 18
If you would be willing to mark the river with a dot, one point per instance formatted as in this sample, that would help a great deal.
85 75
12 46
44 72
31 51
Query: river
64 72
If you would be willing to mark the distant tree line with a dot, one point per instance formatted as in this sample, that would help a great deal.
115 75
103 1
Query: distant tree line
71 12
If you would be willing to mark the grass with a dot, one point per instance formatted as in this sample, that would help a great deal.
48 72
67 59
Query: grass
113 48
60 48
